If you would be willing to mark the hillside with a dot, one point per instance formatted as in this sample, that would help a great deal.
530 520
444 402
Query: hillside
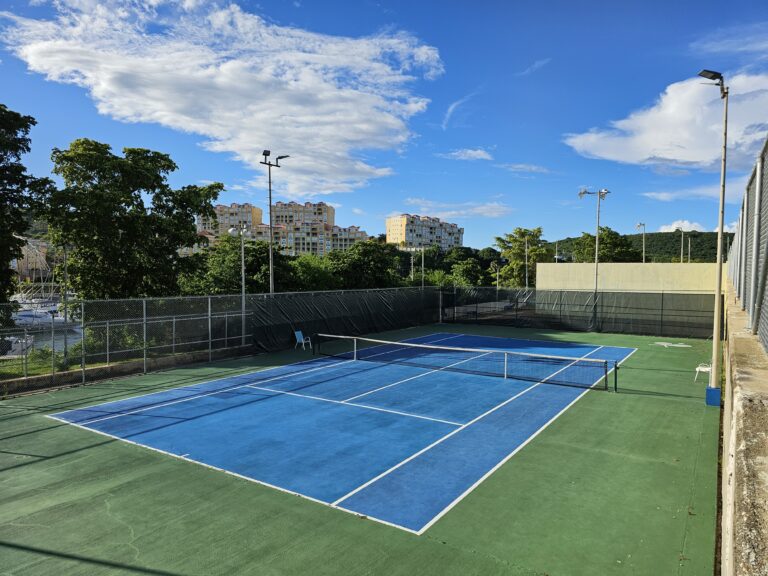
662 246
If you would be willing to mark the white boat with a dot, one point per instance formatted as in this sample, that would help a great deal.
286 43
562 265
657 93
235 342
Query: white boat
15 345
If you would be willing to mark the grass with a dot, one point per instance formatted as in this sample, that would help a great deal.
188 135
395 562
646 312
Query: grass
619 484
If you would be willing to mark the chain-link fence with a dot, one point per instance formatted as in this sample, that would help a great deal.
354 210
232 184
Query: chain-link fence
680 314
54 344
747 268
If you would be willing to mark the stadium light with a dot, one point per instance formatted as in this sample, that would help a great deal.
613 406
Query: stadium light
242 231
269 166
601 194
682 240
714 375
638 227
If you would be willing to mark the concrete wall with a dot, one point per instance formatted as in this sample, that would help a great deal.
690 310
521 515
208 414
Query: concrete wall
635 277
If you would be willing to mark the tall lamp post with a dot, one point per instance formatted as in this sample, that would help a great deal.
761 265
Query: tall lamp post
714 378
269 166
242 231
638 227
682 238
601 194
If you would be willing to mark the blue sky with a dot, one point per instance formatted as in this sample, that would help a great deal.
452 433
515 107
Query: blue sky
492 115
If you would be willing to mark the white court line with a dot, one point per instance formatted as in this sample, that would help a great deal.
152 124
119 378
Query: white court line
459 429
229 472
466 493
197 396
414 377
223 390
343 403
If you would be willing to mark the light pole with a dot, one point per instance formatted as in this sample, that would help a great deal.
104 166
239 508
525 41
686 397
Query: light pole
269 166
422 267
714 378
526 262
601 194
642 225
242 231
682 236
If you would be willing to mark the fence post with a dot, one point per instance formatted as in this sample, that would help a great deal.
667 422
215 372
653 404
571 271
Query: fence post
25 358
107 342
53 353
661 315
753 281
82 342
173 335
210 335
144 330
440 304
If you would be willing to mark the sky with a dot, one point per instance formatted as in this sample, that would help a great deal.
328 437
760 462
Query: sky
492 114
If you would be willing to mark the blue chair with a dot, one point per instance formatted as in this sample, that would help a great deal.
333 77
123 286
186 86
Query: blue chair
301 339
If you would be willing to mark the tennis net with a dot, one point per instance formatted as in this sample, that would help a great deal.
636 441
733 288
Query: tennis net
562 370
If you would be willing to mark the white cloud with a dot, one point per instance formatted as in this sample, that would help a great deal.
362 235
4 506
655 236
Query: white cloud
535 66
750 39
453 107
729 227
684 127
446 211
241 82
358 211
525 168
467 154
734 191
686 225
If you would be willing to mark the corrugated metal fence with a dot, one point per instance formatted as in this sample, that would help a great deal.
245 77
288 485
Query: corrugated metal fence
748 254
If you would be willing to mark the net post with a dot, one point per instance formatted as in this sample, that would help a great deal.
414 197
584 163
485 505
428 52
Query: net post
615 376
354 349
144 331
506 357
605 368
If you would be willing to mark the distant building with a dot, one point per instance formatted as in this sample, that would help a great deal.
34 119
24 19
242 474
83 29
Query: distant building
293 212
308 228
234 215
205 239
411 231
310 237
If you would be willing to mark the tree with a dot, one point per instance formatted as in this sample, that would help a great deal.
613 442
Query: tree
219 271
513 249
613 248
119 246
369 265
312 272
467 273
17 188
486 256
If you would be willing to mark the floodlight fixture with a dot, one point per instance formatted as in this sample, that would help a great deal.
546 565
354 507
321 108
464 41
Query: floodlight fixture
266 153
711 75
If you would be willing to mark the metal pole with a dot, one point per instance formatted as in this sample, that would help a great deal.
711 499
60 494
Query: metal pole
715 372
597 242
173 335
682 234
271 260
53 353
689 248
210 334
25 358
144 331
526 262
754 319
82 342
242 268
422 267
107 342
66 307
643 243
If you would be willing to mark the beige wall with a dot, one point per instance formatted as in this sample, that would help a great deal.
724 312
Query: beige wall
627 276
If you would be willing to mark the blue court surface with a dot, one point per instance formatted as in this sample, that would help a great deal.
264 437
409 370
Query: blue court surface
398 442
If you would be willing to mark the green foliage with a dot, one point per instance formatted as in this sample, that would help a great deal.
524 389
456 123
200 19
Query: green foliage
17 189
468 273
311 272
218 269
369 265
513 249
120 246
613 247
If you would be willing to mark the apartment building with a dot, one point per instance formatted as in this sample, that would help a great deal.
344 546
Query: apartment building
412 231
232 216
310 237
293 212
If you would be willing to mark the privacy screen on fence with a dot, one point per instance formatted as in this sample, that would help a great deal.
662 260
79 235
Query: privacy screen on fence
681 314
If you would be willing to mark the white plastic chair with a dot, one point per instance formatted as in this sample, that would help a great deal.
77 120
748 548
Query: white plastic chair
301 339
704 367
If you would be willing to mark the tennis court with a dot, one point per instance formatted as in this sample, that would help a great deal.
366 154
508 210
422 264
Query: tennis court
398 432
